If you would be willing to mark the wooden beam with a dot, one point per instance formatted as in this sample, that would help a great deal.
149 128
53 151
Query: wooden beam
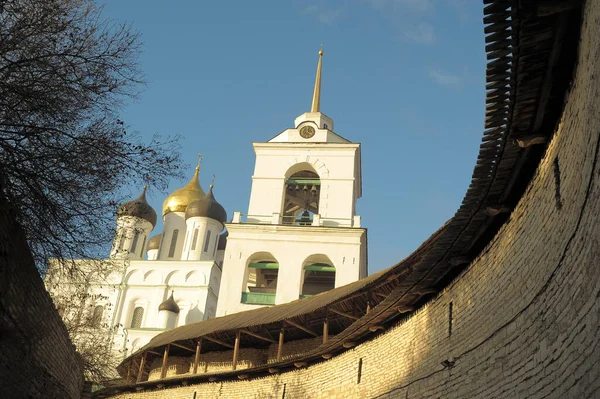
427 291
154 353
348 315
376 327
496 210
459 260
349 344
141 370
406 309
300 364
236 349
197 357
528 141
361 293
258 336
550 7
163 369
218 341
303 328
183 347
280 345
327 356
380 295
129 371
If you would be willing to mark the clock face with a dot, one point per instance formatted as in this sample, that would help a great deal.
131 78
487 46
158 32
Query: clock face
307 132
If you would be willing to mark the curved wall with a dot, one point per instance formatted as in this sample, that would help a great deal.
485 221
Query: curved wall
525 314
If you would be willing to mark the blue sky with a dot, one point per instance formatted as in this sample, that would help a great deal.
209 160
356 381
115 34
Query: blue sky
406 78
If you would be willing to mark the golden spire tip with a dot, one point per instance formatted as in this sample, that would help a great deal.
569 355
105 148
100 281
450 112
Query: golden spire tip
316 101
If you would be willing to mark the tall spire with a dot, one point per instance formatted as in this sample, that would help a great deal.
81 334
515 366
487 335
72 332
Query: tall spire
316 101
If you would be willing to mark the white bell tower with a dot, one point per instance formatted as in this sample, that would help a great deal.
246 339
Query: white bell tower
301 235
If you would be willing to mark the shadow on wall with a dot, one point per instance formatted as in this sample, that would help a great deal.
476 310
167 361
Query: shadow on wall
194 315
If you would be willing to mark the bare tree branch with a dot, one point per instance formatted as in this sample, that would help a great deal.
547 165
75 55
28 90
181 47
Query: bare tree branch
65 156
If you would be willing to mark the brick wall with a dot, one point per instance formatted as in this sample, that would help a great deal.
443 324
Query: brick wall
37 358
526 313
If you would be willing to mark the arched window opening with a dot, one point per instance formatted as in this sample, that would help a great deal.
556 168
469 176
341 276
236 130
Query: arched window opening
318 277
195 238
96 318
261 282
173 243
206 241
143 245
121 241
136 236
136 319
302 190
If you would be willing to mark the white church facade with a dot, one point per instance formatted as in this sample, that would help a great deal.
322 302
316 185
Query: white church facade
301 236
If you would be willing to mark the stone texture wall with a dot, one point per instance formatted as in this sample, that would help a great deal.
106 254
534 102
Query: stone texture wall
526 313
37 359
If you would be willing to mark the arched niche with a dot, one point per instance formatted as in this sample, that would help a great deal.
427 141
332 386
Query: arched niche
153 277
134 277
195 278
175 278
318 275
302 193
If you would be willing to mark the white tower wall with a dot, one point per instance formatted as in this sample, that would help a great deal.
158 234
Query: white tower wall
131 238
338 167
166 319
173 222
201 245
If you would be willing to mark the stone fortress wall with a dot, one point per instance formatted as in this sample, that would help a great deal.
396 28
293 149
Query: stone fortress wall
37 358
522 321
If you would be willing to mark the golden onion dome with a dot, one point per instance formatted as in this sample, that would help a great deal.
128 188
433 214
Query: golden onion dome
179 199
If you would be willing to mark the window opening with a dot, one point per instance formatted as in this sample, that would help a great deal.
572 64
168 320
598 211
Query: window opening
97 316
207 241
136 235
318 277
557 196
143 245
450 306
122 241
195 238
173 243
261 284
136 319
360 363
301 202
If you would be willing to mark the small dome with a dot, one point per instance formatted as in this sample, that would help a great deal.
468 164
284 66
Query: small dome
179 199
154 242
207 207
222 241
140 208
169 305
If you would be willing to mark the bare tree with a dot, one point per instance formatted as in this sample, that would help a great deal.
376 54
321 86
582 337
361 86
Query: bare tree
65 157
86 314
